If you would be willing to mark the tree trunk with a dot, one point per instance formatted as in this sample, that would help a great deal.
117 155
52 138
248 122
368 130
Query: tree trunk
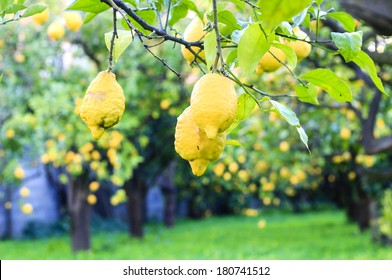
80 215
169 191
136 193
8 214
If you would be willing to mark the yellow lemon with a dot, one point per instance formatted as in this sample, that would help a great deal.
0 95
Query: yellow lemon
73 21
27 208
56 30
284 146
103 104
233 167
24 192
345 133
213 104
269 63
219 169
284 172
91 199
19 173
193 32
94 186
301 48
10 133
192 143
42 17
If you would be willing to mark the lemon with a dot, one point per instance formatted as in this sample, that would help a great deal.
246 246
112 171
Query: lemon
91 199
27 208
42 17
94 186
24 192
213 104
345 133
193 145
19 173
56 30
301 48
193 32
10 133
73 21
284 146
269 63
103 104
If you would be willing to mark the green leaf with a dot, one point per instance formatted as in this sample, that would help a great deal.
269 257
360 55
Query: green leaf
229 21
289 52
364 61
177 12
15 8
231 57
251 48
121 42
303 136
290 116
330 82
149 16
1 77
5 4
210 48
286 113
307 94
89 17
245 106
349 44
92 6
345 19
233 142
36 9
273 12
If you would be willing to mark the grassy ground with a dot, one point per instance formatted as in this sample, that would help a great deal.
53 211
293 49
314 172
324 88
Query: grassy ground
323 235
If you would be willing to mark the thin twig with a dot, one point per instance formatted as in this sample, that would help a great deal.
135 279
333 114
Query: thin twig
168 14
110 68
254 6
218 38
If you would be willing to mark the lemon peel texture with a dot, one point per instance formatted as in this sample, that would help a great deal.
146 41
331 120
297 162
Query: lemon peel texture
213 104
269 63
103 104
193 32
193 145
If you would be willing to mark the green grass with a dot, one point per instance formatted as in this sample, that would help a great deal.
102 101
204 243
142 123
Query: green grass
322 235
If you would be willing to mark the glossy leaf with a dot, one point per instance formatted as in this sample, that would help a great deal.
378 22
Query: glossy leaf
364 61
210 48
233 142
121 42
276 11
36 9
92 6
349 44
289 52
345 19
330 82
307 94
251 48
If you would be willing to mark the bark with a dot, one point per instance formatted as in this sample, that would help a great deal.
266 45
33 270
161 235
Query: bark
376 13
136 193
169 191
8 214
80 215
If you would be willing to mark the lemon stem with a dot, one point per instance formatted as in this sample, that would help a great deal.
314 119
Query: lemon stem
218 38
111 65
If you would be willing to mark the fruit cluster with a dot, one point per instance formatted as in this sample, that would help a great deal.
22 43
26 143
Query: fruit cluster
200 135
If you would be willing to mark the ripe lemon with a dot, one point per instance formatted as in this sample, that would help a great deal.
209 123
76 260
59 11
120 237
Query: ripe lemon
19 173
269 63
24 192
27 208
193 32
284 146
192 143
91 199
56 30
345 133
103 104
213 104
73 21
42 17
301 48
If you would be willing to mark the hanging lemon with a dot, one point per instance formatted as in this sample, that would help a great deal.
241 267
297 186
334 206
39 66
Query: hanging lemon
103 104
